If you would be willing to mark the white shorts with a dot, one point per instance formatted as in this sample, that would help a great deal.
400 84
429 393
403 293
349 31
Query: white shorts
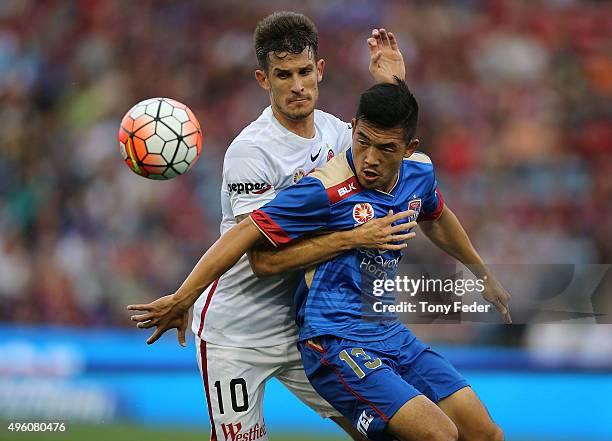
234 382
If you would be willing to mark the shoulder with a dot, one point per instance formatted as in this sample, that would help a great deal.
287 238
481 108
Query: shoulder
337 179
334 172
420 158
331 121
242 147
419 165
308 192
418 161
246 158
309 182
254 139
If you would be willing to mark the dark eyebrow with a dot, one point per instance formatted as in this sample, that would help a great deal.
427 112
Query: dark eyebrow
380 146
278 70
363 135
387 144
281 71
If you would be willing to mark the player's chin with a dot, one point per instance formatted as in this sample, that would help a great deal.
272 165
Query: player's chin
368 184
300 113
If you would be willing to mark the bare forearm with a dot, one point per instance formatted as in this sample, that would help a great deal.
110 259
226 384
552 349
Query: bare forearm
219 258
299 255
378 234
448 235
171 311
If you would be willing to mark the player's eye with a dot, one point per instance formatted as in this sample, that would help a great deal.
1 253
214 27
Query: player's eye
282 75
387 148
305 71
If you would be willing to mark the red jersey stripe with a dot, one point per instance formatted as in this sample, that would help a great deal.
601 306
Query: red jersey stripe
269 228
206 305
213 431
436 213
343 190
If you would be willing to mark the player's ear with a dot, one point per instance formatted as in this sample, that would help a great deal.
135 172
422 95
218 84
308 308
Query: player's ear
320 68
411 147
353 125
262 79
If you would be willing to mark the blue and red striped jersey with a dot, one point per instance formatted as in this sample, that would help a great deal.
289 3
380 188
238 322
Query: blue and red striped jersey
336 297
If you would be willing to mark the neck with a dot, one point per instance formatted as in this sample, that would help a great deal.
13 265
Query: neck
303 127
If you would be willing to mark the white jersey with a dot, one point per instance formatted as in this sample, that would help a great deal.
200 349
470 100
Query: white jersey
239 309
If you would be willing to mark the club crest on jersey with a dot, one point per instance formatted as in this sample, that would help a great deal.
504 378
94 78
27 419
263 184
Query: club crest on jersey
363 212
299 174
414 205
330 155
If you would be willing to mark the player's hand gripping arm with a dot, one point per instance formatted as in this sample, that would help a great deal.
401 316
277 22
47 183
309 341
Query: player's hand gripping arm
386 60
448 234
376 233
171 311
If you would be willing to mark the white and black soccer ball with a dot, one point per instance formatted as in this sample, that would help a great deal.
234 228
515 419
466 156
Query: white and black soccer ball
160 138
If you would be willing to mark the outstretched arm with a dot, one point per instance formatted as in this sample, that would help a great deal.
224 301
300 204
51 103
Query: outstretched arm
376 233
448 234
386 60
171 311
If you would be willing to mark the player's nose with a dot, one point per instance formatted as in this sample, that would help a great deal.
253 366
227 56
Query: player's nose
297 86
371 157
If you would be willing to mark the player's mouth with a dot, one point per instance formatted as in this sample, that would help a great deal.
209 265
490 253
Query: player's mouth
369 176
299 101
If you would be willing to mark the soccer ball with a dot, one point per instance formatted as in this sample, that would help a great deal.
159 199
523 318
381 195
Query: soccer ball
160 138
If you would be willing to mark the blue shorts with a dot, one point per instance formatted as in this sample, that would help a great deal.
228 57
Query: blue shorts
367 382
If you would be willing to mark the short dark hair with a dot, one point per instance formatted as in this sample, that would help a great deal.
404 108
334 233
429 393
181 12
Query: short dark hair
389 106
284 32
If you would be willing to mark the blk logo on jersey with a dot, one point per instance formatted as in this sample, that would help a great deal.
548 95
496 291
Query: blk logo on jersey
363 423
248 187
233 432
343 191
363 212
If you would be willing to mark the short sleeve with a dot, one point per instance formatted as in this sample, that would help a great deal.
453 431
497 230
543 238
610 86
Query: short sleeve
297 210
246 177
433 203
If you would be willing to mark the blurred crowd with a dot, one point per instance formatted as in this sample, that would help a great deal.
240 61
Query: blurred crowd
515 112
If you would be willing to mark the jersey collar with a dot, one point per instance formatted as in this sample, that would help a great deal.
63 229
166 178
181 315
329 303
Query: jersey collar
296 140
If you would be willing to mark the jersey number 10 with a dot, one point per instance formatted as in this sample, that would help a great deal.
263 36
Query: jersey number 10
233 386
